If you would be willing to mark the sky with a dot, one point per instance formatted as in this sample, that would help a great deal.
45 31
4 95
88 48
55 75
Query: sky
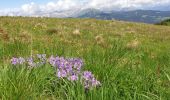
18 3
30 7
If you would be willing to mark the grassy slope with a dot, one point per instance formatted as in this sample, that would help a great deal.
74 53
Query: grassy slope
131 60
165 22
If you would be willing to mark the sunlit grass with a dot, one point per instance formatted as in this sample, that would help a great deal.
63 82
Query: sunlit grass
131 60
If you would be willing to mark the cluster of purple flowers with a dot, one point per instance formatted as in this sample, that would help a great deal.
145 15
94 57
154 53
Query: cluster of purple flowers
89 80
69 68
39 60
72 70
65 68
16 61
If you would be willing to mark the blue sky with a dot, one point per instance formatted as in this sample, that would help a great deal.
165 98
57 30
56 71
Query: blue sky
17 3
162 4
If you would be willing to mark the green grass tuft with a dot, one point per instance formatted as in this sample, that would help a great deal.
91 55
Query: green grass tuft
131 60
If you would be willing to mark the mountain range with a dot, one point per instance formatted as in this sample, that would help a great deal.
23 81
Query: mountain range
145 16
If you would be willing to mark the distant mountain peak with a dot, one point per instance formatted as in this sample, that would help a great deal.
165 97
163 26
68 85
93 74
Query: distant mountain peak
146 16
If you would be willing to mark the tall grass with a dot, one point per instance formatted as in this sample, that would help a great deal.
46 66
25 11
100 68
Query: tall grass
140 73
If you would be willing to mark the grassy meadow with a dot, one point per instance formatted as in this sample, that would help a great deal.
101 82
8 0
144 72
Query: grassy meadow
131 60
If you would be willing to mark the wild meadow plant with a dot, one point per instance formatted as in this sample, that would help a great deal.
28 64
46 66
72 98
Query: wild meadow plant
131 60
65 68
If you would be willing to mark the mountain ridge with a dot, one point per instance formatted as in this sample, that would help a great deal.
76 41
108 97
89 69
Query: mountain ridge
145 16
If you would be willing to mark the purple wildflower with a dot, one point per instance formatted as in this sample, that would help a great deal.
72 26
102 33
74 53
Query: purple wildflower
87 75
61 74
14 61
21 60
73 77
30 62
68 68
78 64
52 60
95 82
89 81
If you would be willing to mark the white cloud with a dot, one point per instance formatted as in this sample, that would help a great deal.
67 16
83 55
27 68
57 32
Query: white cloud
65 5
120 4
30 8
62 5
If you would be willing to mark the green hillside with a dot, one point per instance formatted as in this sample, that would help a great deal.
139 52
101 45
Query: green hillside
131 60
165 22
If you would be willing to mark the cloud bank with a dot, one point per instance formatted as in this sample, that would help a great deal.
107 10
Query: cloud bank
75 5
